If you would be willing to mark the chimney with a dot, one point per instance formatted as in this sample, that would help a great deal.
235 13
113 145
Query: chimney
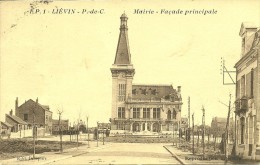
37 100
16 106
179 89
11 112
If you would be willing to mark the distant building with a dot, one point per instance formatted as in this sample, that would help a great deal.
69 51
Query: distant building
33 112
104 126
64 125
5 129
140 107
248 93
16 122
80 126
218 127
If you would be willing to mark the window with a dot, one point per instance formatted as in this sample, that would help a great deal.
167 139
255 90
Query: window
146 113
169 115
25 117
156 113
243 86
136 112
238 88
144 91
174 114
122 91
120 126
134 92
121 112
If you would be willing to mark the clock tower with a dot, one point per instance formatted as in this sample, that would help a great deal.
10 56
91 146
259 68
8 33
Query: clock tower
122 76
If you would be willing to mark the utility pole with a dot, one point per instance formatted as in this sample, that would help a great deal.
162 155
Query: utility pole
203 131
77 132
103 136
224 71
227 127
208 137
60 130
34 130
226 130
188 138
193 133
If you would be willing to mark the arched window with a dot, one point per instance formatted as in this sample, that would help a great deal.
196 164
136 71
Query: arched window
174 114
169 115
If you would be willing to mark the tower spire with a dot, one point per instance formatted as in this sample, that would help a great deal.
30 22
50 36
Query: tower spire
123 53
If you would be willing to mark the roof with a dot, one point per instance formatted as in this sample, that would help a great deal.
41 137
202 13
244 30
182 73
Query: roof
123 15
6 124
219 119
56 122
44 107
16 119
123 51
246 25
153 92
254 43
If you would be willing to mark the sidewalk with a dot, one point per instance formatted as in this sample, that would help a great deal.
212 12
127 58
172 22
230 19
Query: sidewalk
186 157
49 157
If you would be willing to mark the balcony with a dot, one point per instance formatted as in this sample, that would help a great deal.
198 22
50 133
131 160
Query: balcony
241 105
153 100
137 119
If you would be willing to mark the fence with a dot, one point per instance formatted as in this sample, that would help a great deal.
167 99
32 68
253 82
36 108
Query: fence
21 133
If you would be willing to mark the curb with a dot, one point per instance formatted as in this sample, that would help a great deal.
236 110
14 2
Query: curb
175 156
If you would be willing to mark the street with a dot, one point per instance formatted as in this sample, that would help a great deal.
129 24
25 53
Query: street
124 153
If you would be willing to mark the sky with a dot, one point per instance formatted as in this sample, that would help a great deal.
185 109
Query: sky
65 59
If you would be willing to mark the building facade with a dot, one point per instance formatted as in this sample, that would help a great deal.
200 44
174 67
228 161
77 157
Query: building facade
218 127
5 129
34 113
140 107
57 125
17 123
248 94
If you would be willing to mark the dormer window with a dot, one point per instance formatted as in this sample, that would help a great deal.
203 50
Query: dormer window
154 92
134 92
144 91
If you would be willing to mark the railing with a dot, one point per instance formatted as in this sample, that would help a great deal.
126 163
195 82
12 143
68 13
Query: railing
140 119
241 104
129 100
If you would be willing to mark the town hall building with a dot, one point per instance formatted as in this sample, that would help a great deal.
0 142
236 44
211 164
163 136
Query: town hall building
140 108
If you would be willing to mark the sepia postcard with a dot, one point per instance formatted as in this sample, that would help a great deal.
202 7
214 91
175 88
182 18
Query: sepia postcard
129 82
